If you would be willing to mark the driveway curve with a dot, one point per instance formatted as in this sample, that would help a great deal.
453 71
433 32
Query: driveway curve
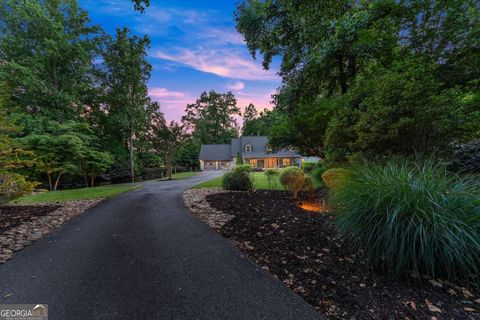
142 256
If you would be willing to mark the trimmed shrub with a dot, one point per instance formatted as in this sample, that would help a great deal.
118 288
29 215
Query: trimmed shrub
272 178
237 180
294 180
335 177
466 159
243 168
13 185
411 219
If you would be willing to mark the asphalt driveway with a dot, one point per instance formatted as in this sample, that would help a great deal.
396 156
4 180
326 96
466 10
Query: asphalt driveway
142 256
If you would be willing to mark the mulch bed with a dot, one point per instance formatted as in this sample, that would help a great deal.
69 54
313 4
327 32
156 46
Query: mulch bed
12 216
303 250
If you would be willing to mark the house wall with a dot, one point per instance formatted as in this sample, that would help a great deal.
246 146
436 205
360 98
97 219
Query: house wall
269 163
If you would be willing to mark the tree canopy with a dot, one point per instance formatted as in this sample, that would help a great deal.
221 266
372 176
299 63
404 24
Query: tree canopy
365 77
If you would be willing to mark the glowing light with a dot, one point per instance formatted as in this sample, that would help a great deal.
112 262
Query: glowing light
313 206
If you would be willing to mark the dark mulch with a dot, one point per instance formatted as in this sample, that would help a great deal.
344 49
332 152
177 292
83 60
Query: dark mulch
12 216
303 250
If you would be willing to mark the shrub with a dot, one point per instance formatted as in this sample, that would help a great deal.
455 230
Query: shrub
13 185
317 172
335 177
244 168
294 180
272 178
466 158
411 219
237 180
308 166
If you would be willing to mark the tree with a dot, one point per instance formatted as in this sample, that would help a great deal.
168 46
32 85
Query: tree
249 116
211 117
95 163
328 47
46 48
167 138
140 5
124 108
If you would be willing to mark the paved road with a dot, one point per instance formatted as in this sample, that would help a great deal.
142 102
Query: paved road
142 256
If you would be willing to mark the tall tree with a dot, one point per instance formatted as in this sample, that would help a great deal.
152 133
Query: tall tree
124 74
212 117
47 48
249 116
327 47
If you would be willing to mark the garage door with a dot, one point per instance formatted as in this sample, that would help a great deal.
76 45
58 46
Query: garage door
210 165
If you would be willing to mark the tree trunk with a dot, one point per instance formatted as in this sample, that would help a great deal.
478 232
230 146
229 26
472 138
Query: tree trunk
49 181
57 181
86 179
92 181
132 161
169 167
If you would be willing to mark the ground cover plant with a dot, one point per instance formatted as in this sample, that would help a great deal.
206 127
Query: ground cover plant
411 219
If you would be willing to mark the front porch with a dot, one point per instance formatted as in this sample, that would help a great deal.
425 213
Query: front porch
271 162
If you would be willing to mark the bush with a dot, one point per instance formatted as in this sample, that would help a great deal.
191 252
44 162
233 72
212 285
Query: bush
317 172
308 166
243 168
294 180
272 178
466 159
13 185
237 180
411 219
335 177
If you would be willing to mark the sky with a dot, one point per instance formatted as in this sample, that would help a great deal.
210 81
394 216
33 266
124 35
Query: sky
194 48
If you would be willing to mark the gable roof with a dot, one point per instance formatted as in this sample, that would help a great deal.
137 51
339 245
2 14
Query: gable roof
215 152
259 148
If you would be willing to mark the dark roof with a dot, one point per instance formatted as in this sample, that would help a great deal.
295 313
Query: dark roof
259 146
215 152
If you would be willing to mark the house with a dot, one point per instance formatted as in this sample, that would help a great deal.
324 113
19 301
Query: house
254 150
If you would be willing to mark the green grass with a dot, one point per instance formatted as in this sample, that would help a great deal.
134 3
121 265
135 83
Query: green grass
76 194
181 175
259 182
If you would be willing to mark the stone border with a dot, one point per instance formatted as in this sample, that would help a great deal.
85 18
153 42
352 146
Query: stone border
17 238
195 201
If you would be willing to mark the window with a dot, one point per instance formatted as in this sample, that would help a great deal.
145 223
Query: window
286 162
248 148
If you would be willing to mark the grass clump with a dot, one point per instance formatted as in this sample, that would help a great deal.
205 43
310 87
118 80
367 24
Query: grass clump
272 178
411 219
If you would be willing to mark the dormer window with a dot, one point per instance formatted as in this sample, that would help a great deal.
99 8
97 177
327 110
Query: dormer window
248 148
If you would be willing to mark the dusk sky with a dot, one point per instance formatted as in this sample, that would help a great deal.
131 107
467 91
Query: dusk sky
194 48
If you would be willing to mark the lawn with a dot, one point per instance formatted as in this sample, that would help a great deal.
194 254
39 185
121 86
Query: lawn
181 175
77 194
259 182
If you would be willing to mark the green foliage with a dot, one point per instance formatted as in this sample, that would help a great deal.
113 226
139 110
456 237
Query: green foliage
308 166
237 180
317 173
335 178
239 160
369 78
466 158
211 117
411 219
13 185
294 179
272 178
244 168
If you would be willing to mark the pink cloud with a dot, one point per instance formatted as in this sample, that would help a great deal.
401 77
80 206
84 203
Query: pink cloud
224 63
163 92
237 86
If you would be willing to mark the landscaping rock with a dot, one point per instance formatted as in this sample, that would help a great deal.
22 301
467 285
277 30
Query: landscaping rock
195 201
22 225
